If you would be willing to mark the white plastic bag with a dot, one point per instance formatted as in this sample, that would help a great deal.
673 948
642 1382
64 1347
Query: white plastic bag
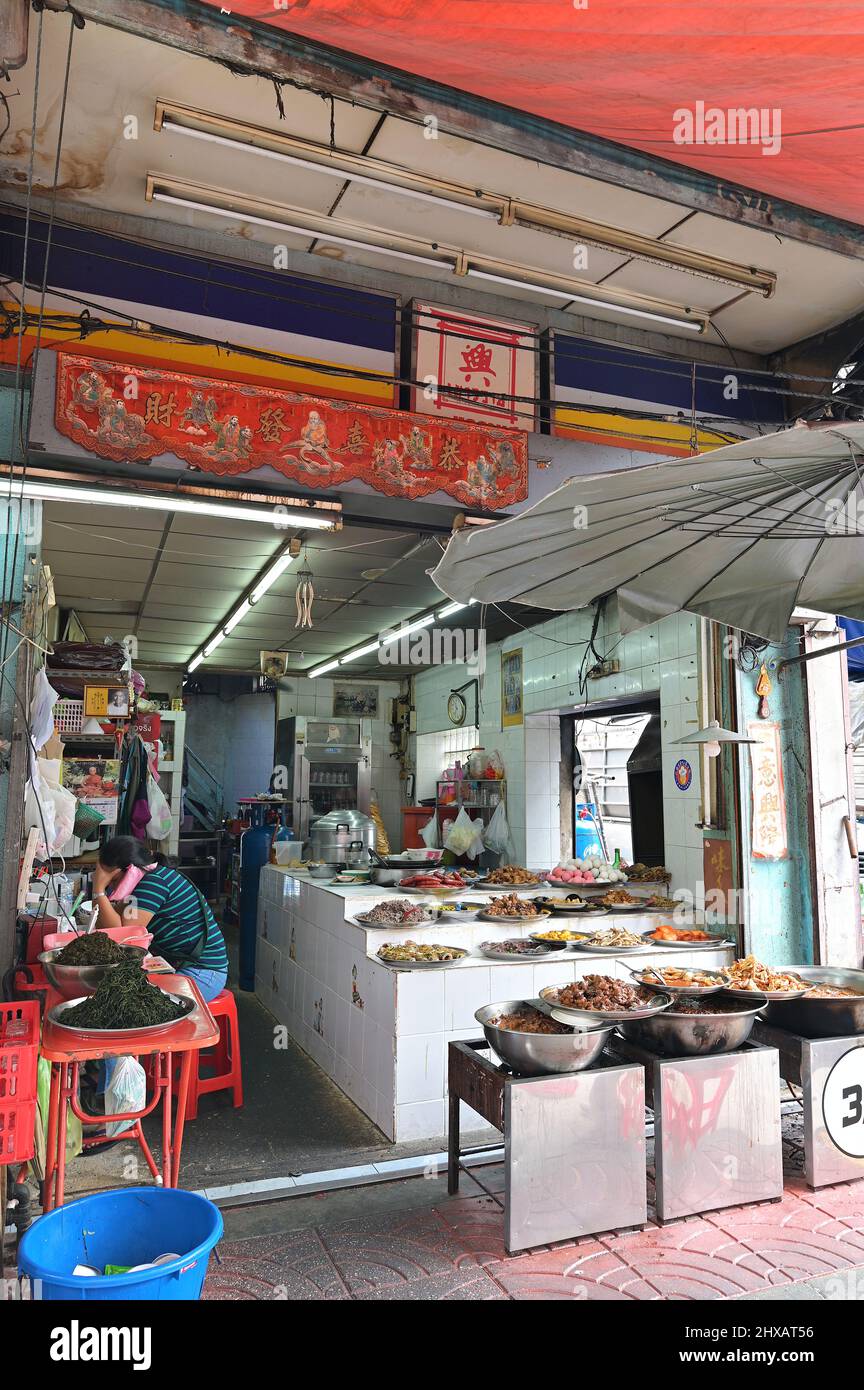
429 833
127 1090
497 836
465 836
159 824
49 808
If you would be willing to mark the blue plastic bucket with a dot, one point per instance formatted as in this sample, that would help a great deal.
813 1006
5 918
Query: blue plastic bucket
128 1226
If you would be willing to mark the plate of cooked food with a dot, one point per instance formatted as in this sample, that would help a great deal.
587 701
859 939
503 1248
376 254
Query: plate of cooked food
572 905
685 938
517 948
749 976
619 900
677 980
509 876
610 941
559 938
413 955
601 996
509 908
397 912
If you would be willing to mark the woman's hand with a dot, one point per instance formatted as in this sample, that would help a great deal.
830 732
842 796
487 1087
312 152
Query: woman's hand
101 878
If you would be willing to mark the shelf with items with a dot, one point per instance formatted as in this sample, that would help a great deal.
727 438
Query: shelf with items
483 793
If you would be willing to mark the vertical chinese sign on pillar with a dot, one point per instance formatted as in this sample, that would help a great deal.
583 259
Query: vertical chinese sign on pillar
769 839
474 368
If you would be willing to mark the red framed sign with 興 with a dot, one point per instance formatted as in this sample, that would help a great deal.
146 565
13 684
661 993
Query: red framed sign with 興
471 367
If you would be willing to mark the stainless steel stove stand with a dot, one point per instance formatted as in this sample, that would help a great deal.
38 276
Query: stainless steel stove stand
574 1145
830 1072
717 1139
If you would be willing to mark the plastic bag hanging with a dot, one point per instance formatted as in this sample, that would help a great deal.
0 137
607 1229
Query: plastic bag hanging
303 598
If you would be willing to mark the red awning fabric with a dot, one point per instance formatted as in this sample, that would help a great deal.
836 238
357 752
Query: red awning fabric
621 68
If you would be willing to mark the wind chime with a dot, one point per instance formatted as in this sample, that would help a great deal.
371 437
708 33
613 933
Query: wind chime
304 597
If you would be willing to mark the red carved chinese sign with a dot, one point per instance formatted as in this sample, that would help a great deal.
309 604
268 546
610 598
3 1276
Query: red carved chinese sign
132 413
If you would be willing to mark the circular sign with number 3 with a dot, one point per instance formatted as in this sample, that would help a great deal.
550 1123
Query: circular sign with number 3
843 1103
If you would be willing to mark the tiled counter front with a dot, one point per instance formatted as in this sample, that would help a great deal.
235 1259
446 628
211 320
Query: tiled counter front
382 1034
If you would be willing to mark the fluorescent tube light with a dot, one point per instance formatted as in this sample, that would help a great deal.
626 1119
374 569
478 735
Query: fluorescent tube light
454 608
215 641
345 175
237 616
319 235
695 325
409 627
270 577
361 651
328 666
109 497
196 661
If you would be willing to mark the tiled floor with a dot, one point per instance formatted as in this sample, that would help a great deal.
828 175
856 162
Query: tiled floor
455 1250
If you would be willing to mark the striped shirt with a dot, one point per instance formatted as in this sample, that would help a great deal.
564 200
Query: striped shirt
178 919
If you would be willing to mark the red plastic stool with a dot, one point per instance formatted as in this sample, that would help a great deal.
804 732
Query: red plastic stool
224 1058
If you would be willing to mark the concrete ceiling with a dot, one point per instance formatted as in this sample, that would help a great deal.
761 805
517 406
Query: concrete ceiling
116 76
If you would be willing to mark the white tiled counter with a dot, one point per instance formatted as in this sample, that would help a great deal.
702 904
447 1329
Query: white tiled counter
380 1033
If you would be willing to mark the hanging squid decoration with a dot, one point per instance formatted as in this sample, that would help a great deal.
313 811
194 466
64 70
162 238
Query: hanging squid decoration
304 596
764 687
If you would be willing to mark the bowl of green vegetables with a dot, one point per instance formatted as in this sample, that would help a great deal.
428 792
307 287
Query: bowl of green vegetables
79 967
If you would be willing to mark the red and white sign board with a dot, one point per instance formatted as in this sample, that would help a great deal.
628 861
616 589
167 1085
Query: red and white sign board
494 358
769 833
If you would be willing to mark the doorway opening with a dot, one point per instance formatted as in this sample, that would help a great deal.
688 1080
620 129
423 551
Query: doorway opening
617 802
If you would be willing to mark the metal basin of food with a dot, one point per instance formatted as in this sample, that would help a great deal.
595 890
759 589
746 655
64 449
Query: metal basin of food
695 1035
821 1018
541 1054
73 981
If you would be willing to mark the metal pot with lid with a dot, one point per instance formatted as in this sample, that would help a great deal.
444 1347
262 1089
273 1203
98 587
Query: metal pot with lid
343 837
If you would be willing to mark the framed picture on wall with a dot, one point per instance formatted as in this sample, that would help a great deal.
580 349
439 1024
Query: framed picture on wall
361 701
512 712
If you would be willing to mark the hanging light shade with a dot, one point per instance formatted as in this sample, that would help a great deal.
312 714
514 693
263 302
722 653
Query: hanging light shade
712 736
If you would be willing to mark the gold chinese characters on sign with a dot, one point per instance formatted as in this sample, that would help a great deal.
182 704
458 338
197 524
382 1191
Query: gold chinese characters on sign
769 839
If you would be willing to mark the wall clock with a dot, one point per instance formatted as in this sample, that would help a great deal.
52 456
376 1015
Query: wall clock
456 708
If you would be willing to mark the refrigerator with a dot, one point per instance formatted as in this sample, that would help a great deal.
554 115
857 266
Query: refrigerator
322 765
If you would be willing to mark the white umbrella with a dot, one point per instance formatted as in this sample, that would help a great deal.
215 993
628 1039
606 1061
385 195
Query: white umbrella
744 535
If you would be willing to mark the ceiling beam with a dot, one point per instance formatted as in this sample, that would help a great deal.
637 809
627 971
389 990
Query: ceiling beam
255 48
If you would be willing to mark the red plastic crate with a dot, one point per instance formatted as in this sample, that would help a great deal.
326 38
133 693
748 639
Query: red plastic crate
19 1053
17 1122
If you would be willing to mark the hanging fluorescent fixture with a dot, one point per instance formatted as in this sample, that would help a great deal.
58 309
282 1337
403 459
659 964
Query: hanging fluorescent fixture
383 241
216 640
506 208
237 617
184 506
270 577
340 172
246 604
381 643
361 651
593 301
296 228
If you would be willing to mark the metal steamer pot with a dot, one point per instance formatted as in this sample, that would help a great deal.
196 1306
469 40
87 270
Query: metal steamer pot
343 838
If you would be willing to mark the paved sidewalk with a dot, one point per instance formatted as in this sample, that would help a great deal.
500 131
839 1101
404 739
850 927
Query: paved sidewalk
809 1246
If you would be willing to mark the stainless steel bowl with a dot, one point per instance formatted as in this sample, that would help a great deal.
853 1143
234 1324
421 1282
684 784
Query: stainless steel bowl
821 1018
73 981
693 1035
541 1054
